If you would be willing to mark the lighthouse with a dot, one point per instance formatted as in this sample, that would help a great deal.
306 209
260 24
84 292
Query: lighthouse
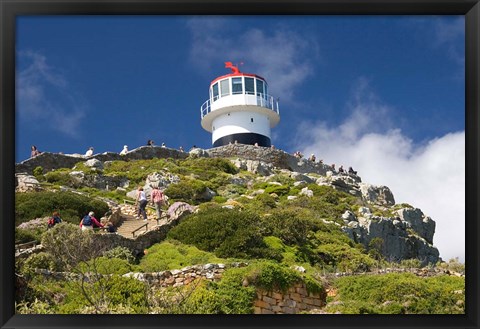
239 109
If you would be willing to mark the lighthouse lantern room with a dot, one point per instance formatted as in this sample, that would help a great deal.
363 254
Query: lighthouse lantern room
239 109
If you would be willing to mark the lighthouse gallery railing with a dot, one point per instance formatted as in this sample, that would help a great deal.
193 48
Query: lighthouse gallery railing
263 100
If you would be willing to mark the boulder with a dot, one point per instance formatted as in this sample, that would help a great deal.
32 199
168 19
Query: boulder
424 226
161 179
25 182
254 166
94 163
198 153
307 192
398 242
380 195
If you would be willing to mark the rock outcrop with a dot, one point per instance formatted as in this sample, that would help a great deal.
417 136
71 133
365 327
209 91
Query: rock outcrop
408 235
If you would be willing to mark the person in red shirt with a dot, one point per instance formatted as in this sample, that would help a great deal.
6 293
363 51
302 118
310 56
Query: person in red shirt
158 199
89 221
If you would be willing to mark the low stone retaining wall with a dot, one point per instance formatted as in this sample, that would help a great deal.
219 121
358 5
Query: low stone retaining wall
295 300
185 276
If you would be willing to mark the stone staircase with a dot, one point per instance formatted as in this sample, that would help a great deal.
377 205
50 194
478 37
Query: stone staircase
131 226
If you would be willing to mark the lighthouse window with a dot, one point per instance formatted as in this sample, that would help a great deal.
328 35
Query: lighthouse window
259 87
224 87
249 86
237 86
215 91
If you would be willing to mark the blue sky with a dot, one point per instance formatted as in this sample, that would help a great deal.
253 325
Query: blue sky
384 94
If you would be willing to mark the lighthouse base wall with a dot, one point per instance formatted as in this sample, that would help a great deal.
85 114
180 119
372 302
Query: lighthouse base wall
244 138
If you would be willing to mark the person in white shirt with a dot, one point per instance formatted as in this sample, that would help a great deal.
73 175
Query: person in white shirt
89 152
142 203
125 150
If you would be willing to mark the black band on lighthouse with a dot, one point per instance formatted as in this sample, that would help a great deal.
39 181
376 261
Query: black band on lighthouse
244 138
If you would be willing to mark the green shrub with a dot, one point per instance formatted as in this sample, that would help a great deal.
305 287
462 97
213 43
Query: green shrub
344 257
282 179
136 171
29 235
35 307
400 293
72 206
120 253
376 247
38 172
69 245
172 254
60 177
278 189
266 201
226 232
109 294
41 260
105 265
189 191
288 225
219 199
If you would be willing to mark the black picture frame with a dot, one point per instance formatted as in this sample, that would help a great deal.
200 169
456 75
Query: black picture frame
9 9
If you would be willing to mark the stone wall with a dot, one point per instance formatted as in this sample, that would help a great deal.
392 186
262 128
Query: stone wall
276 157
49 161
295 300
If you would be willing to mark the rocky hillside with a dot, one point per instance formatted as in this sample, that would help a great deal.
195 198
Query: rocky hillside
247 230
370 217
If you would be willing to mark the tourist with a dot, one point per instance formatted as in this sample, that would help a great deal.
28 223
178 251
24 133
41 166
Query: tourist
150 142
312 157
110 227
89 152
298 155
158 200
351 171
125 150
141 202
341 170
55 219
333 166
163 145
181 149
34 151
89 221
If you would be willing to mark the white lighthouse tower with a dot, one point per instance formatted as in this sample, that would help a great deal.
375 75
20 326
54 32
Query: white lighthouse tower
239 109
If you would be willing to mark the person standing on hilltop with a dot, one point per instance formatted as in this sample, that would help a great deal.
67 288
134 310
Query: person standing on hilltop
150 142
158 200
125 150
89 152
141 202
34 151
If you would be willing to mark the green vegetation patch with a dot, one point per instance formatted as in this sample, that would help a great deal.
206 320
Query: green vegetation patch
71 206
172 254
225 232
399 293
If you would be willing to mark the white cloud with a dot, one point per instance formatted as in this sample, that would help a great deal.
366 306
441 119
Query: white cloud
43 95
282 56
429 176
